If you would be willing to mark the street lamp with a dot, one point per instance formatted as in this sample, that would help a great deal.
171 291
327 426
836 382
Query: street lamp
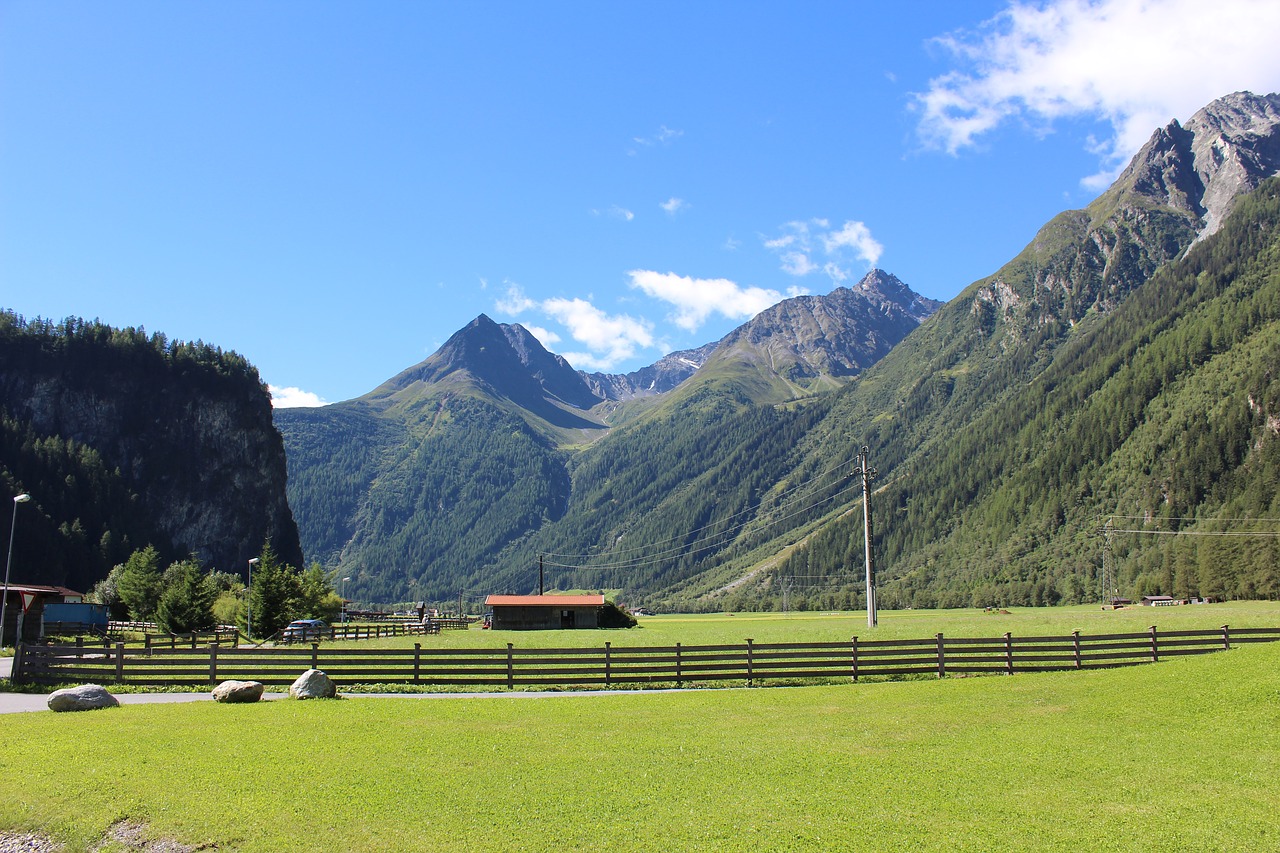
19 499
248 622
344 600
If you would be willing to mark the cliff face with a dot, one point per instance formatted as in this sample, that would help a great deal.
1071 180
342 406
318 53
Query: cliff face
186 429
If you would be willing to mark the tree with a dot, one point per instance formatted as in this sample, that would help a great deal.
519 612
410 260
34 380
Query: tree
316 598
106 592
187 601
138 583
274 594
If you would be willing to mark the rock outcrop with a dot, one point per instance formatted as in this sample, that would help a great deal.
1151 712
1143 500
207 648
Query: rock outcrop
186 429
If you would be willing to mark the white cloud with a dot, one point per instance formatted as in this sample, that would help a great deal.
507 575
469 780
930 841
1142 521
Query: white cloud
546 337
294 398
614 212
1134 64
611 339
806 247
515 302
695 299
664 136
674 205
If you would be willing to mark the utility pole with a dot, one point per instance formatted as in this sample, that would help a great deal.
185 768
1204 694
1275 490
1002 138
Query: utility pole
1109 587
539 574
868 474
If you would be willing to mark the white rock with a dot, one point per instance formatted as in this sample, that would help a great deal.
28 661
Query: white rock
238 691
313 684
86 697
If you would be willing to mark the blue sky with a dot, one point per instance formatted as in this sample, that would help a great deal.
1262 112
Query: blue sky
333 189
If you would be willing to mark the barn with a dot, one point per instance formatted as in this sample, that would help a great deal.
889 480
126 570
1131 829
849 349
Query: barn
544 612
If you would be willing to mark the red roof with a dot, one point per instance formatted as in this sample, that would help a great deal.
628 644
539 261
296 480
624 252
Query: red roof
544 601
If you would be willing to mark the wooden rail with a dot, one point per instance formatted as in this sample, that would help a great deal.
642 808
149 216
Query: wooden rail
611 666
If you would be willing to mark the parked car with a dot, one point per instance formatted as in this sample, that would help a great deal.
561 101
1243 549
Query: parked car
301 630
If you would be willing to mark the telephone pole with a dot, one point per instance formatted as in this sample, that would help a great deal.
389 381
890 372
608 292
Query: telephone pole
868 474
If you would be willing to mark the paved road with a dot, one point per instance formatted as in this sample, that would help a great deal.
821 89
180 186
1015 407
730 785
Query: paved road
15 703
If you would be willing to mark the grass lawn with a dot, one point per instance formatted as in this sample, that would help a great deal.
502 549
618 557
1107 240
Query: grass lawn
715 628
1179 755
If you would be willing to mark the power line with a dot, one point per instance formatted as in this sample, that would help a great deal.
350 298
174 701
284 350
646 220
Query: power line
711 524
680 545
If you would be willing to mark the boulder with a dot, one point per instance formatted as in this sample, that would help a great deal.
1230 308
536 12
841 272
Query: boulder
238 691
86 697
313 684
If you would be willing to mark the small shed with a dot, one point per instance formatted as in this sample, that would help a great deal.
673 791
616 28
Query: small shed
25 606
544 612
1159 600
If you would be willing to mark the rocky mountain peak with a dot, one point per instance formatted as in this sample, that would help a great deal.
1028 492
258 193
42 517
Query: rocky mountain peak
1224 151
507 359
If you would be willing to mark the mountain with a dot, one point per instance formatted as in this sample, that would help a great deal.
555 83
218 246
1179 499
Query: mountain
809 344
969 507
424 483
1120 365
124 440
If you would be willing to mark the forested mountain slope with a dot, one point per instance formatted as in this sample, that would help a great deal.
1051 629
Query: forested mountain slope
446 476
125 439
1164 413
999 427
937 409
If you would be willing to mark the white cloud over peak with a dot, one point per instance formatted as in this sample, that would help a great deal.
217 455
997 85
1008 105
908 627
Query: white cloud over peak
806 247
1134 64
294 398
609 339
696 299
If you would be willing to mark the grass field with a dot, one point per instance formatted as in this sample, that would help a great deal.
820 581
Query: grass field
709 629
1179 755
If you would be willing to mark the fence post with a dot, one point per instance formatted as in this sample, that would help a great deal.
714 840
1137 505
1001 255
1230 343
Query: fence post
119 662
213 664
1226 638
511 675
79 647
147 639
608 671
315 655
417 662
1075 646
193 641
942 657
1155 646
750 662
855 658
1008 653
19 655
679 680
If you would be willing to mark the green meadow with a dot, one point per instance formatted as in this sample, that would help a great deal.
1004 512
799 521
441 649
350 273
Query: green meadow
716 628
1179 755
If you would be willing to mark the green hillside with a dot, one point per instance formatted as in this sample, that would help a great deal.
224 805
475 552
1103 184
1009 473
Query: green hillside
1163 411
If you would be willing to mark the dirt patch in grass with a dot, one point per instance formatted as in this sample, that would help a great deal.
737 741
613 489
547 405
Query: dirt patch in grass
125 835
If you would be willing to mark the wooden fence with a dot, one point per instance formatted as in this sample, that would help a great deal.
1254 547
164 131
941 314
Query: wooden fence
509 667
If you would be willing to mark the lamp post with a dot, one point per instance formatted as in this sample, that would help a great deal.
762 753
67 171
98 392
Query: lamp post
344 600
248 622
18 499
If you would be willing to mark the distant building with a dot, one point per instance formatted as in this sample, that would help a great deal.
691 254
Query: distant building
544 612
1159 600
